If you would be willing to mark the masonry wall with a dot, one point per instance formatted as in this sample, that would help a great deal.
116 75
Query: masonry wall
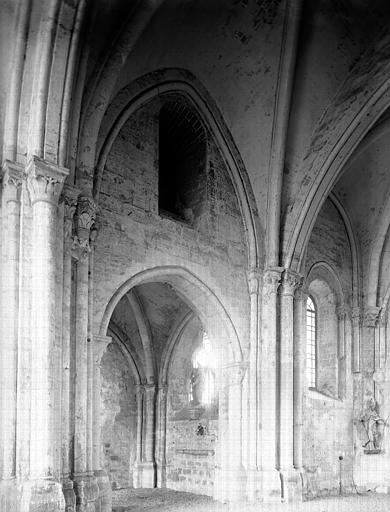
328 419
118 418
134 237
190 449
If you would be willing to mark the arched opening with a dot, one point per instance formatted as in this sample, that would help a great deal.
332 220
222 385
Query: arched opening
182 161
163 375
311 343
322 362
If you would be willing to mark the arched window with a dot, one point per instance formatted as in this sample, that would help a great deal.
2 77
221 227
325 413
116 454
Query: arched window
202 381
311 343
322 335
182 161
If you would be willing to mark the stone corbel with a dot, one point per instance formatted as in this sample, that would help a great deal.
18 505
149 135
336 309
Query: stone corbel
100 344
233 374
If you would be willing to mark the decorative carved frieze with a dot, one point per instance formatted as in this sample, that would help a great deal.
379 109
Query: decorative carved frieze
45 181
12 180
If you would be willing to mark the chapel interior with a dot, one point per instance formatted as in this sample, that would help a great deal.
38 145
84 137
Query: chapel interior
195 251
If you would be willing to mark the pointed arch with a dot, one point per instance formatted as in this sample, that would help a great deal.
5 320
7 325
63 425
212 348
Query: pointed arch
183 83
359 104
198 296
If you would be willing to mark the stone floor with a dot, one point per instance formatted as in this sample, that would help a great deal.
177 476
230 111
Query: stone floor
163 500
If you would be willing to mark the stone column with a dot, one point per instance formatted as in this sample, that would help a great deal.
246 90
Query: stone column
70 195
11 198
254 475
289 477
149 465
271 489
104 502
370 322
137 475
93 483
382 341
299 372
232 470
45 182
341 355
162 395
356 339
86 210
221 459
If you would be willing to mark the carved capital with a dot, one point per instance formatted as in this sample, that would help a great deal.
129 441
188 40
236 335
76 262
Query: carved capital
371 316
233 374
86 215
290 282
45 181
254 277
100 344
12 180
341 312
271 281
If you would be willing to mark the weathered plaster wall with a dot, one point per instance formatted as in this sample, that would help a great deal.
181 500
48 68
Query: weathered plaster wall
190 455
227 61
118 418
133 237
328 420
329 243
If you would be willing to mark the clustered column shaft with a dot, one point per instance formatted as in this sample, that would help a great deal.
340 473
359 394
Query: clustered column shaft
12 185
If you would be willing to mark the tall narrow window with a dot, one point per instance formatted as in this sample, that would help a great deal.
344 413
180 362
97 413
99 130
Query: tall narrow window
311 343
182 162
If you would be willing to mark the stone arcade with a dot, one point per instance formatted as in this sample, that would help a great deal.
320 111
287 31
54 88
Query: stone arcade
195 208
